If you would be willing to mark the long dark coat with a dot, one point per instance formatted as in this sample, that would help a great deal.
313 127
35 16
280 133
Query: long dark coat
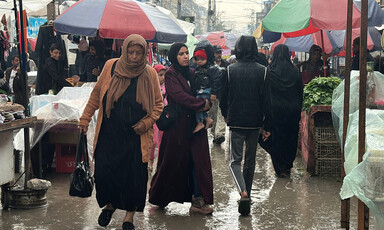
173 178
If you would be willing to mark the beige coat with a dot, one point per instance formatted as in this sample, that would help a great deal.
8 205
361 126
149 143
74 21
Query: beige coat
96 102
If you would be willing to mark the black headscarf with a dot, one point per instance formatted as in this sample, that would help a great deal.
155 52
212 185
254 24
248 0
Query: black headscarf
184 70
283 74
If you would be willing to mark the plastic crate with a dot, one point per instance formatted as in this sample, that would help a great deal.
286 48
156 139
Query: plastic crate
330 149
325 134
328 167
65 157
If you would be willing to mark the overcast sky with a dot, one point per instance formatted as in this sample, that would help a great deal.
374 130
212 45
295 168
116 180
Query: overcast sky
235 10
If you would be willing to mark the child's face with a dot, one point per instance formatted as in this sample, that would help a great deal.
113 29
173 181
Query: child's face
161 74
55 54
200 61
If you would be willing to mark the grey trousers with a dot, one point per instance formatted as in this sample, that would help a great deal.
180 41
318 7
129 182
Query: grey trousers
219 125
243 180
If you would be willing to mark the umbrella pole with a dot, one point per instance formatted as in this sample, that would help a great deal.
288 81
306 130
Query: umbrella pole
322 44
346 204
363 211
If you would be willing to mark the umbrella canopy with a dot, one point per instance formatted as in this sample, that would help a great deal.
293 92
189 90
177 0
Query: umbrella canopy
118 19
304 43
223 39
334 41
301 17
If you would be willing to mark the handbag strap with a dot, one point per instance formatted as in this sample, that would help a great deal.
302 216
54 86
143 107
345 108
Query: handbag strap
82 150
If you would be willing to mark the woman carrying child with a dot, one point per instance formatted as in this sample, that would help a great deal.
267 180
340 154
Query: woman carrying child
208 79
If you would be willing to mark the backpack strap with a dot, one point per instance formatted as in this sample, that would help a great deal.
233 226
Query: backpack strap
113 68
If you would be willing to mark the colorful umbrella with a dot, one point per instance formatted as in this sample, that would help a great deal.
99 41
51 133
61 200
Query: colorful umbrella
118 19
223 39
300 17
334 41
304 43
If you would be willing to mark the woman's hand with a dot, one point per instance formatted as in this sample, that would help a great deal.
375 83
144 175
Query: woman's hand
139 128
207 106
96 71
83 128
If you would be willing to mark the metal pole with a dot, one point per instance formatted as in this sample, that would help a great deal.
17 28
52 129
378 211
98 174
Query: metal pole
178 9
346 204
17 27
322 44
209 21
25 98
363 211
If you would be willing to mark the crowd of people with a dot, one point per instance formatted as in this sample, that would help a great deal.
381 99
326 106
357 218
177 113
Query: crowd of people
259 102
129 96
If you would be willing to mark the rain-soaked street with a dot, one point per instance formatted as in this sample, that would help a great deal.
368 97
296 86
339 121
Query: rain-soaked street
301 202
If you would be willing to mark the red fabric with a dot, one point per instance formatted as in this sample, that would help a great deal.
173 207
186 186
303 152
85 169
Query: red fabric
114 22
309 30
307 135
159 67
200 53
330 15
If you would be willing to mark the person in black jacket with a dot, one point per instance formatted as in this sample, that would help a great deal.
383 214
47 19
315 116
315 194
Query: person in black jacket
244 103
95 61
51 78
208 80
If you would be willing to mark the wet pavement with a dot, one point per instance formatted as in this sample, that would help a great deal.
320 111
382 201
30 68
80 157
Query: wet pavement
297 203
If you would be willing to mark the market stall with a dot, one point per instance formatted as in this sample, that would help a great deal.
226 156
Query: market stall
7 161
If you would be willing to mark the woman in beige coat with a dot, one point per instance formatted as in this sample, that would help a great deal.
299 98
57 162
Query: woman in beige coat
129 103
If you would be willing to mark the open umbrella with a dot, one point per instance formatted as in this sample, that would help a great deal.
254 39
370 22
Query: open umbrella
118 19
304 43
300 17
334 41
223 39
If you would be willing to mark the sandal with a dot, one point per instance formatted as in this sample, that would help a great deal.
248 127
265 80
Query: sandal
105 217
128 226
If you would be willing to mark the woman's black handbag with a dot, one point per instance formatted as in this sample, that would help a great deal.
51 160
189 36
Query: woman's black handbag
168 117
81 179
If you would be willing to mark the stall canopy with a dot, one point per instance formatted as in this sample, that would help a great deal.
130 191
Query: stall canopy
300 17
223 39
28 5
118 19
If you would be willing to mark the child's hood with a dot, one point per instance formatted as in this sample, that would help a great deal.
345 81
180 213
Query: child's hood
206 45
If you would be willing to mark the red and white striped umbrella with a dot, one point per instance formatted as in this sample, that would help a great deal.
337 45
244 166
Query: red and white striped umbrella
118 19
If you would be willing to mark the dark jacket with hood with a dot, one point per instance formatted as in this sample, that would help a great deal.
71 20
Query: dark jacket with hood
246 90
210 75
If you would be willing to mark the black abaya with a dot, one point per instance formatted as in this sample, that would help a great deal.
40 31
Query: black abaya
120 175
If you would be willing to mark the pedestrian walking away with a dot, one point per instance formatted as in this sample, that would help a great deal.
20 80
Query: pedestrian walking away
244 103
129 101
184 172
286 104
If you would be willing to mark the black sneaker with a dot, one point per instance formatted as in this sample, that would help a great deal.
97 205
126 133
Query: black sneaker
219 140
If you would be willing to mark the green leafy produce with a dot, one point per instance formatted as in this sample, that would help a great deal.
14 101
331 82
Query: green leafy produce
319 91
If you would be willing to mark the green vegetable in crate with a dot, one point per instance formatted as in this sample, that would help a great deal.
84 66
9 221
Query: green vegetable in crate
319 91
